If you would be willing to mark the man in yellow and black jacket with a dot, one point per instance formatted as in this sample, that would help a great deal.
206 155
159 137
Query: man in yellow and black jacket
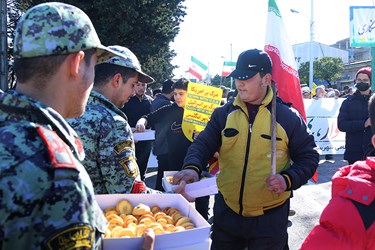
252 206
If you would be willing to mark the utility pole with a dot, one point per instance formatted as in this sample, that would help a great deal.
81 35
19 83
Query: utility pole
311 65
3 46
311 43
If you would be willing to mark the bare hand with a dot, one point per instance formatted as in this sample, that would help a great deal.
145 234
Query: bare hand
187 175
276 183
149 239
195 134
180 189
141 125
216 155
368 123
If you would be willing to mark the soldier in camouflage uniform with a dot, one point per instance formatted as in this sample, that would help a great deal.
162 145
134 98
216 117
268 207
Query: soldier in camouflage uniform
104 129
46 196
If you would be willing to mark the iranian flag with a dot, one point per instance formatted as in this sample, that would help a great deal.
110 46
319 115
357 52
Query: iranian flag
197 68
228 67
284 67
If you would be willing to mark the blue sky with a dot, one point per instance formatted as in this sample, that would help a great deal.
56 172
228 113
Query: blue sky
216 30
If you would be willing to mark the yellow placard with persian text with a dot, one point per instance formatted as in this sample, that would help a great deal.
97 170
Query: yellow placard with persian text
200 102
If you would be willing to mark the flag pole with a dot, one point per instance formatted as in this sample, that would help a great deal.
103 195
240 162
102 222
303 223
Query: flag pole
273 129
221 76
222 69
281 52
231 79
207 77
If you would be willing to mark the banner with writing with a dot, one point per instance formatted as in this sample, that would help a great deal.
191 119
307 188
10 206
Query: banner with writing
362 23
321 117
200 102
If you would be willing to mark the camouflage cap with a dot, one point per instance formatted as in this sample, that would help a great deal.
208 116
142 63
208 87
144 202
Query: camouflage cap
128 60
56 29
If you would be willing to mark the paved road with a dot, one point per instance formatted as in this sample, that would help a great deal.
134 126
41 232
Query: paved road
308 201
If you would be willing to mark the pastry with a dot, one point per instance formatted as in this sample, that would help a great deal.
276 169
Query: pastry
124 207
182 220
140 209
140 230
159 215
123 232
118 221
155 209
178 229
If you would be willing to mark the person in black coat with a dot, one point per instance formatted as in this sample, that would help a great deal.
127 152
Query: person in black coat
160 146
353 118
135 108
169 117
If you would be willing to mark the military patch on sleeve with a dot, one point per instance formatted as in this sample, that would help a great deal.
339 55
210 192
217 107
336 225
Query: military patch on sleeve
122 145
130 166
81 152
79 236
60 153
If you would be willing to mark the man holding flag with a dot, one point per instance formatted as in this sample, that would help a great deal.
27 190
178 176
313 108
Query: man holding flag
252 206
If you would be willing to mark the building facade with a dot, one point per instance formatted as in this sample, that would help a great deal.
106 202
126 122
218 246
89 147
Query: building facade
353 58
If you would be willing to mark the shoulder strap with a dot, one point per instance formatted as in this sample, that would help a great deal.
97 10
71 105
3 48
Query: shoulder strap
59 152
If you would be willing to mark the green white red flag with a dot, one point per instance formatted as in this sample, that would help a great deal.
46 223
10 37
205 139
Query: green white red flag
197 68
284 67
228 67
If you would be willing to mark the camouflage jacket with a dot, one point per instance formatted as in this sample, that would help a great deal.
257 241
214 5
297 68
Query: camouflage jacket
46 196
109 146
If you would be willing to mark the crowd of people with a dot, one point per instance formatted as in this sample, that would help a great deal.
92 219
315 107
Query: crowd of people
67 134
321 91
353 117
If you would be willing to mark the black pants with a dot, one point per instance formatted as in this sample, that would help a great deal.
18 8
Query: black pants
162 166
232 231
202 206
142 153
